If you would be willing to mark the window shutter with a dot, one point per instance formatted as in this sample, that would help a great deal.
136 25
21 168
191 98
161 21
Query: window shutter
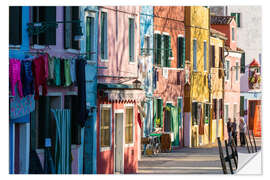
242 99
68 26
155 48
170 48
194 54
155 111
15 25
213 57
102 35
183 51
179 52
131 39
159 43
88 36
75 17
243 62
238 20
161 112
50 35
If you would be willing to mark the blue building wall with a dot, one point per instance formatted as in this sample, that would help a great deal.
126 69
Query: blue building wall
18 53
146 28
88 152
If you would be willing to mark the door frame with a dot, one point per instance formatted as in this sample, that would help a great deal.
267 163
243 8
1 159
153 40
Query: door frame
119 111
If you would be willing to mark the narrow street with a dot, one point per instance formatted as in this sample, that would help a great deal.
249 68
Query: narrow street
203 160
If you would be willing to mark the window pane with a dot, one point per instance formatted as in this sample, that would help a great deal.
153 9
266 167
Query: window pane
105 127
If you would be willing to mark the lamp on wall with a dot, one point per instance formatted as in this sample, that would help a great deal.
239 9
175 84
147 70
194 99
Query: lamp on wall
36 28
136 84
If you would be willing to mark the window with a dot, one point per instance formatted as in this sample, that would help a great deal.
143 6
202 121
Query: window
194 55
180 113
178 78
234 110
226 113
213 55
221 54
146 45
242 112
204 56
181 52
206 113
159 122
237 18
233 33
243 57
15 25
129 125
220 108
103 34
105 127
89 36
131 40
44 14
194 113
236 71
227 70
167 51
214 109
71 14
157 48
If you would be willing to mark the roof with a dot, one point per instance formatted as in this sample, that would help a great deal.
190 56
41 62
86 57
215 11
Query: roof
254 63
218 33
239 50
220 20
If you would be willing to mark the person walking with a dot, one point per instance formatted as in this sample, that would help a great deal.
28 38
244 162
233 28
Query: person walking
242 129
234 131
229 129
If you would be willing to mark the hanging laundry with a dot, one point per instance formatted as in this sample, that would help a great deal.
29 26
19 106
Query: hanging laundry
62 72
80 73
15 76
67 72
27 77
51 68
73 70
57 74
139 119
40 76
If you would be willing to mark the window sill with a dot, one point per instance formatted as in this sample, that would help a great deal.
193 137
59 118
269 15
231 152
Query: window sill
14 46
103 149
129 145
104 60
36 46
131 62
73 50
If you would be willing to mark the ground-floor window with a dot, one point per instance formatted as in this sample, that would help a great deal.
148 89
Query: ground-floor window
194 113
105 127
129 125
206 113
226 113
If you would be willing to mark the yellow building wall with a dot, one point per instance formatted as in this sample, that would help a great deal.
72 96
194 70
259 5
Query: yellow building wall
197 27
217 87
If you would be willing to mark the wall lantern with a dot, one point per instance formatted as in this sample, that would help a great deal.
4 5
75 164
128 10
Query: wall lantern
136 84
36 28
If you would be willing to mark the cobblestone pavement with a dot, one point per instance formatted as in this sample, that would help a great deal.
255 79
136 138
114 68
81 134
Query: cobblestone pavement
203 160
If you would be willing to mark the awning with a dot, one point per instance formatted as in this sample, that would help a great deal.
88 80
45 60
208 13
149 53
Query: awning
116 86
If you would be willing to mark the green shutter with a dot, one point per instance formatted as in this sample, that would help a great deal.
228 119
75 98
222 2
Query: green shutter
238 19
242 105
50 15
183 51
243 63
178 52
170 47
102 35
75 17
88 36
155 48
159 42
155 112
161 112
67 27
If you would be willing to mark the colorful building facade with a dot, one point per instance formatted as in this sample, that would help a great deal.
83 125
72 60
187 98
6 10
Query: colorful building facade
197 88
169 64
117 112
217 42
232 54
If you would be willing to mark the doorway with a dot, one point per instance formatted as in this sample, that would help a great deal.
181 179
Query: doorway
119 143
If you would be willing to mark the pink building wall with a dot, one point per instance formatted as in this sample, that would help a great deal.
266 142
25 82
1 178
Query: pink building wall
118 66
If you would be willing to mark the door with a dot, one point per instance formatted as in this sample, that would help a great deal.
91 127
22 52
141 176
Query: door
119 143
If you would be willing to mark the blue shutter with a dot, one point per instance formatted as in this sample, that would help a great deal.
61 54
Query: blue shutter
194 55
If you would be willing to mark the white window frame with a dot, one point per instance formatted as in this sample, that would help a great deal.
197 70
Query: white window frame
126 106
107 106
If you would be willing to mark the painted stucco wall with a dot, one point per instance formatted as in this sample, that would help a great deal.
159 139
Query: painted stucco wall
106 158
118 42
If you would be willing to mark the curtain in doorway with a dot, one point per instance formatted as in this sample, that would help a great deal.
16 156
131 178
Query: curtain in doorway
63 141
174 124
